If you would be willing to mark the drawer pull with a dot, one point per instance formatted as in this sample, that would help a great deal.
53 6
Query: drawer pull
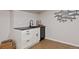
27 40
37 34
27 33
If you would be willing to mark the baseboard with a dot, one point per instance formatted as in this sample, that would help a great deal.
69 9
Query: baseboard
62 42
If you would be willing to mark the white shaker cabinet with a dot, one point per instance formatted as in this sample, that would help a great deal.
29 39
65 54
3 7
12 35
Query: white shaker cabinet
27 38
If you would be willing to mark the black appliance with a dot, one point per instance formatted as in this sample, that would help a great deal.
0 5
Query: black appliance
42 32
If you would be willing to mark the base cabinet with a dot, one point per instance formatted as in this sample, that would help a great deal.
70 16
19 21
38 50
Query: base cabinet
27 38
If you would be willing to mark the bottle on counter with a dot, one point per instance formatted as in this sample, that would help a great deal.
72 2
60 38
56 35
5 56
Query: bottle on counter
38 22
31 23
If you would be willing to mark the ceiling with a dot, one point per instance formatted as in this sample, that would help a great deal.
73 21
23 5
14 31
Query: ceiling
34 11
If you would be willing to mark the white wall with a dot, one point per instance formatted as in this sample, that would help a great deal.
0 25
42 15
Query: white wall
64 32
4 25
13 19
21 19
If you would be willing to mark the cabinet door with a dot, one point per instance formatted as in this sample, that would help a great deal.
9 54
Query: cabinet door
35 35
26 43
26 34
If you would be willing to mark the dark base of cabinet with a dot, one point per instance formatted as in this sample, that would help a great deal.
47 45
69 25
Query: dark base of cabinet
42 39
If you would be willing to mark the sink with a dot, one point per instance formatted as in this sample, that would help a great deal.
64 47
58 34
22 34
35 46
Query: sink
33 26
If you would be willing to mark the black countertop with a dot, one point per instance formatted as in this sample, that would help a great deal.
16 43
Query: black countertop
26 28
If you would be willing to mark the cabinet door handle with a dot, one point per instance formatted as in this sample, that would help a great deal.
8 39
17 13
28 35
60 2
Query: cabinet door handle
27 40
27 33
36 34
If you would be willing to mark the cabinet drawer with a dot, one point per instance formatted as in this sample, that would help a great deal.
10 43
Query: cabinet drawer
26 43
26 35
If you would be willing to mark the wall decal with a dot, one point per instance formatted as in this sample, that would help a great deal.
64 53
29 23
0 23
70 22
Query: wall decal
65 15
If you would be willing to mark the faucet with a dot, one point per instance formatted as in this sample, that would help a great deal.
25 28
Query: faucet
31 23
